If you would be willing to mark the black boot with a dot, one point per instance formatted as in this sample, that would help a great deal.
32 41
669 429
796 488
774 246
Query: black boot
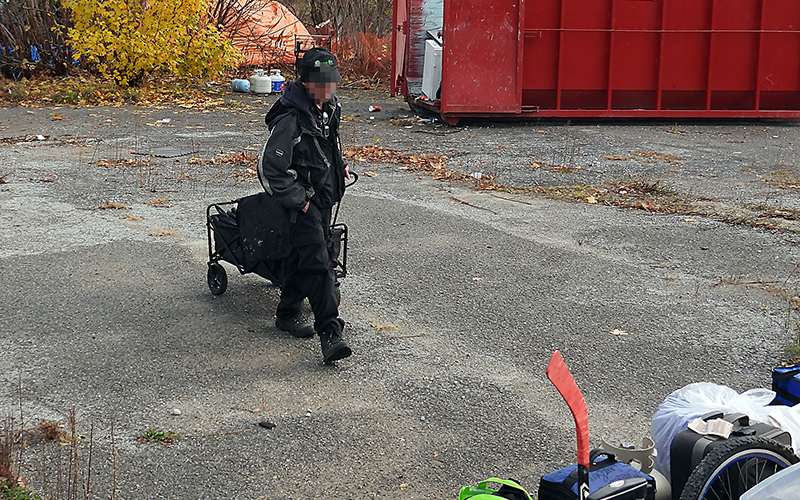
296 327
333 347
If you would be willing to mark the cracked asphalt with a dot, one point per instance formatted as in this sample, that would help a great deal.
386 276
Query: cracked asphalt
455 298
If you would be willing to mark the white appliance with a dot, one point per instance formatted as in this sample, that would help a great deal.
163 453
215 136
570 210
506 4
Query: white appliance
432 69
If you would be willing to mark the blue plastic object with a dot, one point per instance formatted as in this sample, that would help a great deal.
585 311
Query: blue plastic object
240 85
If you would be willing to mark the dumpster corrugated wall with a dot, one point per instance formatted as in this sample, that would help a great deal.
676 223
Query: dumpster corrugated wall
611 58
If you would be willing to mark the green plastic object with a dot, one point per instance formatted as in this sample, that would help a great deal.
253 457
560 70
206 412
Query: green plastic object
483 492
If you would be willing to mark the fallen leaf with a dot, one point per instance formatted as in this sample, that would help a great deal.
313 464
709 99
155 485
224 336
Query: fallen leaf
591 199
159 202
112 205
404 485
370 174
163 233
689 220
383 328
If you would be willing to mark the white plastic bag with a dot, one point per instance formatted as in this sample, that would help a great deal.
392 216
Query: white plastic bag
694 400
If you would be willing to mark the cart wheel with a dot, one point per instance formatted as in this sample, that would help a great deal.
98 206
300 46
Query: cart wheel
217 279
450 120
736 466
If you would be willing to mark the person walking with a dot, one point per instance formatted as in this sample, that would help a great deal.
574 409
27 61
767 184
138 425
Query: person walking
302 168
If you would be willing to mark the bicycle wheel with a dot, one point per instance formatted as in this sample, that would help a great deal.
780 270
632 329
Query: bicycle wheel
736 466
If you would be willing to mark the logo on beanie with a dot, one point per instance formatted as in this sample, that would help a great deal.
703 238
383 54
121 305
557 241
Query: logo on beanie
330 63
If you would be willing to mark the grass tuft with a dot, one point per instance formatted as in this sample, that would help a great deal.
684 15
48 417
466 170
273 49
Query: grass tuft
158 436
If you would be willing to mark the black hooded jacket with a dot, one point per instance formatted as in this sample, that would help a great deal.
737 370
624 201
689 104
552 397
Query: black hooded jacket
302 158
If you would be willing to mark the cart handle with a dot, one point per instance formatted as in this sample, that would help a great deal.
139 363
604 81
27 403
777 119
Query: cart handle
355 179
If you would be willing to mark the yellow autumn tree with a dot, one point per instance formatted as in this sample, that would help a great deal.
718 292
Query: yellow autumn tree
130 39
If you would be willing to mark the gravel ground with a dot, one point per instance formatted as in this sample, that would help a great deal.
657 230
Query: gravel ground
455 300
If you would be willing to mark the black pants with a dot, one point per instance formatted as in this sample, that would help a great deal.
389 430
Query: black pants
308 272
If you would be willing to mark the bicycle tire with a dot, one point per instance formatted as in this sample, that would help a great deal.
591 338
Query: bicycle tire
736 466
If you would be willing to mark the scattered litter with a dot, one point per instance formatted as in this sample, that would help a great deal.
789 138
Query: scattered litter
619 333
266 424
715 427
308 413
476 175
372 109
165 120
176 412
39 137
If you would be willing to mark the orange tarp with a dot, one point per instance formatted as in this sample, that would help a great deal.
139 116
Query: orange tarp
266 38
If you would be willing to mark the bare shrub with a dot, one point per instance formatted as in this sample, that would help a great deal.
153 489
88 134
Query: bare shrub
28 40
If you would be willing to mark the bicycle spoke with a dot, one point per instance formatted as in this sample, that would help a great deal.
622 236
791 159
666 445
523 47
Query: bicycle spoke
730 485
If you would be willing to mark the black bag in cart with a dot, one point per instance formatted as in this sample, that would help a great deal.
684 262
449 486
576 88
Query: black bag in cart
264 229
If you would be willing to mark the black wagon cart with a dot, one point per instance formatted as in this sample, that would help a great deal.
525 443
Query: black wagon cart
251 235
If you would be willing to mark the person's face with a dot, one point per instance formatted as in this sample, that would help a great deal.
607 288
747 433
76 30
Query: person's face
320 91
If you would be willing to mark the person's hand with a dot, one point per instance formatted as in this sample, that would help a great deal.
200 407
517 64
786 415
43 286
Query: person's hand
346 172
305 208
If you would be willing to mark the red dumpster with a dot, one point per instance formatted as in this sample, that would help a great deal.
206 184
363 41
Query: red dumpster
598 58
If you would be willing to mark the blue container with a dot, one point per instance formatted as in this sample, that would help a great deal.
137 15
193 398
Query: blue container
240 85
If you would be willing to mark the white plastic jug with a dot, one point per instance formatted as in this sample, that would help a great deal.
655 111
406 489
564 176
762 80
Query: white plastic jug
260 83
277 79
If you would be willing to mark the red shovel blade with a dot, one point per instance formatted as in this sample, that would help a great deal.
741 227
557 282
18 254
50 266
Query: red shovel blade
559 375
